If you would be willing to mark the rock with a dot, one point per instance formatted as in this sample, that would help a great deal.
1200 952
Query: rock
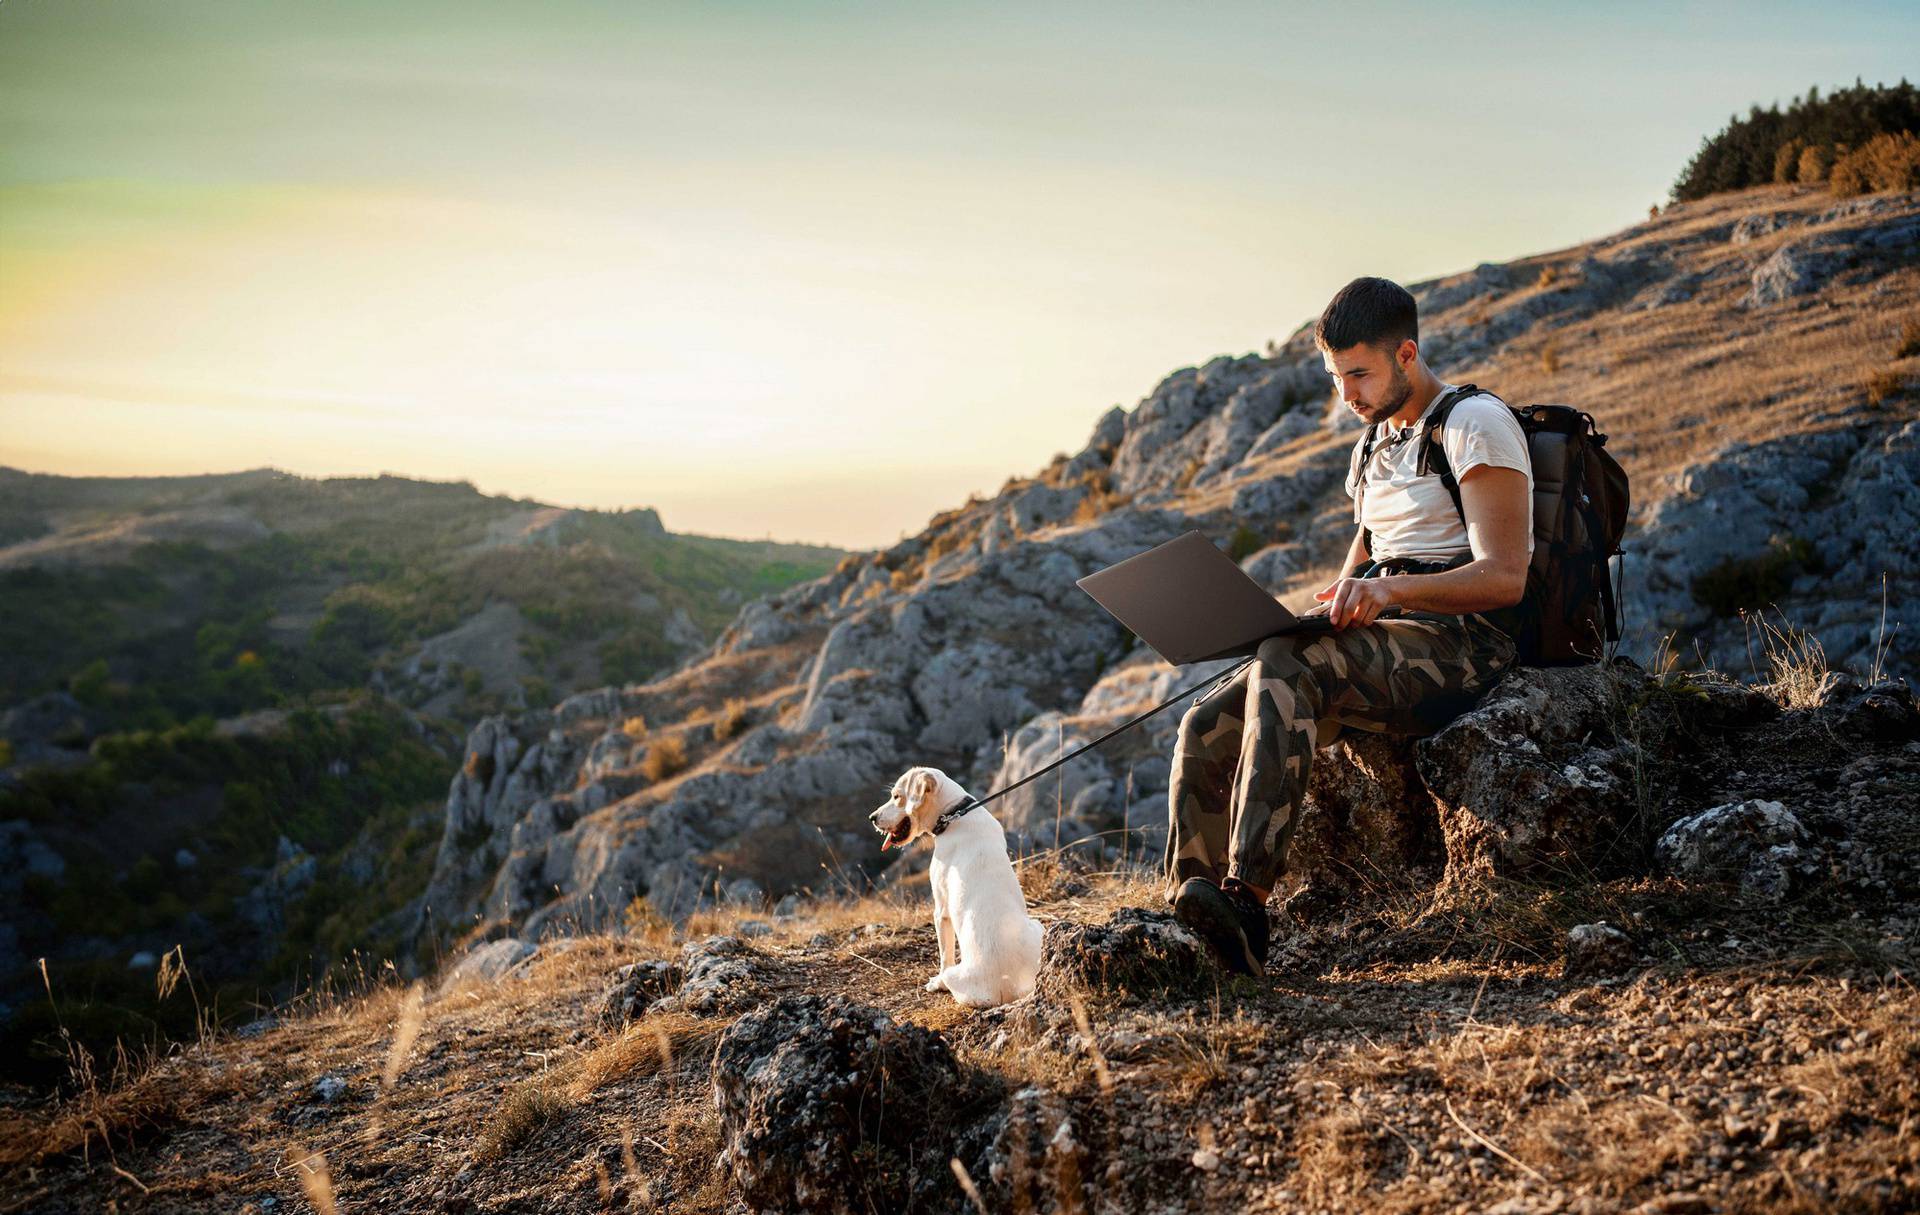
329 1088
745 892
1274 565
1882 712
1367 816
1759 844
1035 1160
1597 949
1805 265
722 974
1135 954
827 1105
1520 788
634 987
1752 227
256 1027
487 962
24 854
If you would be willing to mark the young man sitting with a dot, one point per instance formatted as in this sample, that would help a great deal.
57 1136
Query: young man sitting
1244 751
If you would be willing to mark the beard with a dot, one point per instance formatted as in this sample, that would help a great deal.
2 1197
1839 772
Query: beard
1399 388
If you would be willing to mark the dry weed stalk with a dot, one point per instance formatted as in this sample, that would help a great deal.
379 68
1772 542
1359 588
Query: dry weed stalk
406 1030
967 1187
316 1180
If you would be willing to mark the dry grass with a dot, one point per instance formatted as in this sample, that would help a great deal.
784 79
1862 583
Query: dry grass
732 716
634 727
666 756
1909 344
525 1109
1796 664
645 1047
1883 384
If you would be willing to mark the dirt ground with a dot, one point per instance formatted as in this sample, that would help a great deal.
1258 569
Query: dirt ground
1416 1058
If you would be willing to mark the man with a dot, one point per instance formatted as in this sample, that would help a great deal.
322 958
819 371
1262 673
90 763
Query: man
1244 750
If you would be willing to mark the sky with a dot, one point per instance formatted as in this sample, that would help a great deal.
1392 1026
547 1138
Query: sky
802 271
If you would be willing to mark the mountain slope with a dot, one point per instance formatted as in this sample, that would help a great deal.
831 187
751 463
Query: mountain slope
1726 347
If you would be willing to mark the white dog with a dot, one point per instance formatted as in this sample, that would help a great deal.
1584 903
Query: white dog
978 907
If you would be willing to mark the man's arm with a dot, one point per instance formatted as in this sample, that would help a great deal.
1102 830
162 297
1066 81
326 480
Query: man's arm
1356 553
1494 501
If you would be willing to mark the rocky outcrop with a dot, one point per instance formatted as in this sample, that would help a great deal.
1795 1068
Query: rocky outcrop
1135 954
1806 264
720 974
969 647
1758 844
487 962
831 1106
633 988
1809 524
1521 787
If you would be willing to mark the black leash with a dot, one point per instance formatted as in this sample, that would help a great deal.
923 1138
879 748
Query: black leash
947 816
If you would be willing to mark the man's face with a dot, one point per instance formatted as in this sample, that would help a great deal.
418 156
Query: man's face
1369 379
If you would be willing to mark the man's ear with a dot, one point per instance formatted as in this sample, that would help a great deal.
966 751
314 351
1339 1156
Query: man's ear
1407 353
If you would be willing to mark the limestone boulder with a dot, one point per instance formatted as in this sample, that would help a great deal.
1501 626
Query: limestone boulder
831 1106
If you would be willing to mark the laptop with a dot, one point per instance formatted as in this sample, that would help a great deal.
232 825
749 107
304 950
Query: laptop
1192 603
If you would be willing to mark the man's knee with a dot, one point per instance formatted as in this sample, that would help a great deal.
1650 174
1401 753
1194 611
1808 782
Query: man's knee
1289 656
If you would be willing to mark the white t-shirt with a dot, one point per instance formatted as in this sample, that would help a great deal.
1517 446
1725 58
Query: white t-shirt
1413 516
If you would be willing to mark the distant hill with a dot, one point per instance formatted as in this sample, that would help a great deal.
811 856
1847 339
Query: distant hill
222 593
231 705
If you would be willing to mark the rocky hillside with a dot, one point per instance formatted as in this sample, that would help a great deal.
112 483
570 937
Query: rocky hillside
231 705
1614 940
1744 353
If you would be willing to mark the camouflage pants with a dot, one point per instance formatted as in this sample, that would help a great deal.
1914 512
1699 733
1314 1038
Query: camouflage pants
1240 765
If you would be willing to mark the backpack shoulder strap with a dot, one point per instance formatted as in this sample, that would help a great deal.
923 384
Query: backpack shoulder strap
1432 454
1360 488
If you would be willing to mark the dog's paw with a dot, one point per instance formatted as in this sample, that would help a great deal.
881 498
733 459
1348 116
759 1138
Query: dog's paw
937 983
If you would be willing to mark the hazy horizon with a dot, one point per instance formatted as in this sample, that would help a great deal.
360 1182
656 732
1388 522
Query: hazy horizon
809 274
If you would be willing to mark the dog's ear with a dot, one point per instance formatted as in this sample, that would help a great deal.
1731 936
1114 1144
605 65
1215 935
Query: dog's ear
920 788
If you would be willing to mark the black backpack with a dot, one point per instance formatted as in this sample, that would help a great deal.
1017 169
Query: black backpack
1570 611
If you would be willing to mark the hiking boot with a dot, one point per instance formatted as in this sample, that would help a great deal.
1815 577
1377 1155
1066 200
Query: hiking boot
1232 921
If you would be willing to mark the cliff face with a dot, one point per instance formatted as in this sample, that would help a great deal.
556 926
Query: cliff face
1728 348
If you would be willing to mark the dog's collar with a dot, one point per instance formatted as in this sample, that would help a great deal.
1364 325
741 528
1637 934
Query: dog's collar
949 815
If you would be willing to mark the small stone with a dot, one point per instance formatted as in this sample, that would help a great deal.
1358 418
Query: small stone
1206 1160
329 1088
1595 949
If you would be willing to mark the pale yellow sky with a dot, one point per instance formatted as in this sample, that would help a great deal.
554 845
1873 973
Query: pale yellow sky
812 273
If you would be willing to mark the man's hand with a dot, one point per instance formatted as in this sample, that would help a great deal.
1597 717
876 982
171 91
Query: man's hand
1353 601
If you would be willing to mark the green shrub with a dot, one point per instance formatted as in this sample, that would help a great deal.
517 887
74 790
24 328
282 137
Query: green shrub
1760 148
1754 582
1244 543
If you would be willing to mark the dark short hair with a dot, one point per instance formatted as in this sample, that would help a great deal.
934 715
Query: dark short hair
1376 311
